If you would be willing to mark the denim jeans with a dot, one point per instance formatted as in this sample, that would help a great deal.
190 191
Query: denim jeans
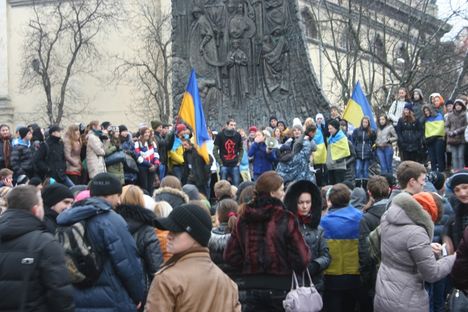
385 156
262 300
458 156
362 168
232 172
436 149
437 293
162 171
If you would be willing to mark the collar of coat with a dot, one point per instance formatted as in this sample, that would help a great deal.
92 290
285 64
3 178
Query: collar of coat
415 212
195 251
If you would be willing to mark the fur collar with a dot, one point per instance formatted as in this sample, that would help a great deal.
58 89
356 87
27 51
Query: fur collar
415 212
172 191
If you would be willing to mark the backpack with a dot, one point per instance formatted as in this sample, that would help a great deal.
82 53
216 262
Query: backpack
84 264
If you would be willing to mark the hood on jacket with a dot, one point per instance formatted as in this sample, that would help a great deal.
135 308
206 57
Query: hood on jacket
420 95
358 198
140 215
431 109
137 213
262 208
173 196
83 210
462 103
410 212
17 222
295 190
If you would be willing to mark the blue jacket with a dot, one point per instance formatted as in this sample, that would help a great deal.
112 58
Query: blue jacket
121 284
297 168
262 161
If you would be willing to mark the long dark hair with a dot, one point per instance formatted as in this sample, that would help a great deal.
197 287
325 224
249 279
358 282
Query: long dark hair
368 129
386 121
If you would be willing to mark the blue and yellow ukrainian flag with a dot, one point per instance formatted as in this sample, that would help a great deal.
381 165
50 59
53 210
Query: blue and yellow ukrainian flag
358 107
339 147
434 126
320 155
341 230
191 113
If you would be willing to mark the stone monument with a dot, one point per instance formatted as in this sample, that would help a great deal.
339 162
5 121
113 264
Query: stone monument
250 57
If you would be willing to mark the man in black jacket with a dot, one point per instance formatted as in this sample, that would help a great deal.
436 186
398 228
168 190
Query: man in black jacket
196 171
378 190
56 198
50 158
33 276
228 150
162 146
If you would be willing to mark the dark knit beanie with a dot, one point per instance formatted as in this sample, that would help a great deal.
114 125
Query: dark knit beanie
461 177
188 218
155 124
409 106
122 128
23 131
105 184
334 123
55 193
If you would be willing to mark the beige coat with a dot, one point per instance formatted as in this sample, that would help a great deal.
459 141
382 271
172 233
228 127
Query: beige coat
407 258
72 155
192 282
95 155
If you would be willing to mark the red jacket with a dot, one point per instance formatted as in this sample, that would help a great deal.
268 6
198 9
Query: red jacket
267 240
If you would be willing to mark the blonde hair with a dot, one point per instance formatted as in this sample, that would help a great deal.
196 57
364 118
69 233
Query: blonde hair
132 195
71 133
162 209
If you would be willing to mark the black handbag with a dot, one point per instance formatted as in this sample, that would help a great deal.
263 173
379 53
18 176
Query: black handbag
457 301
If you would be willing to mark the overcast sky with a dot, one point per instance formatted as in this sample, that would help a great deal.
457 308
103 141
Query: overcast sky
447 7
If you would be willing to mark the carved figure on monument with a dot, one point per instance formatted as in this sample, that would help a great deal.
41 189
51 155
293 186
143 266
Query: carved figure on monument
275 62
241 51
202 52
237 62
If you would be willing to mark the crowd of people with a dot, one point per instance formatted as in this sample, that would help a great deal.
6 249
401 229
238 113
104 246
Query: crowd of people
98 218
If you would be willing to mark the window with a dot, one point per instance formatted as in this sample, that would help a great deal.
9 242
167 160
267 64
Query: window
310 24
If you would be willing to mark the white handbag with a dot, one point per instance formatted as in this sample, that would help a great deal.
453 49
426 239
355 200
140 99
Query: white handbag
302 298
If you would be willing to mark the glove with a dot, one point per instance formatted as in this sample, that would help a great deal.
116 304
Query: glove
314 268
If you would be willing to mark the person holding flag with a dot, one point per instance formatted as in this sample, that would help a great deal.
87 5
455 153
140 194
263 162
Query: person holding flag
337 151
358 106
191 114
320 157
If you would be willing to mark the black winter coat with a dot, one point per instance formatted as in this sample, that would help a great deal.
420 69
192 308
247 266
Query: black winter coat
410 135
196 171
363 142
50 159
140 224
217 243
310 229
50 220
48 288
162 147
367 266
22 160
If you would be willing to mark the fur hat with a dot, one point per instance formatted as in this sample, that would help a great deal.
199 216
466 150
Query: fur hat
105 184
188 218
55 193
